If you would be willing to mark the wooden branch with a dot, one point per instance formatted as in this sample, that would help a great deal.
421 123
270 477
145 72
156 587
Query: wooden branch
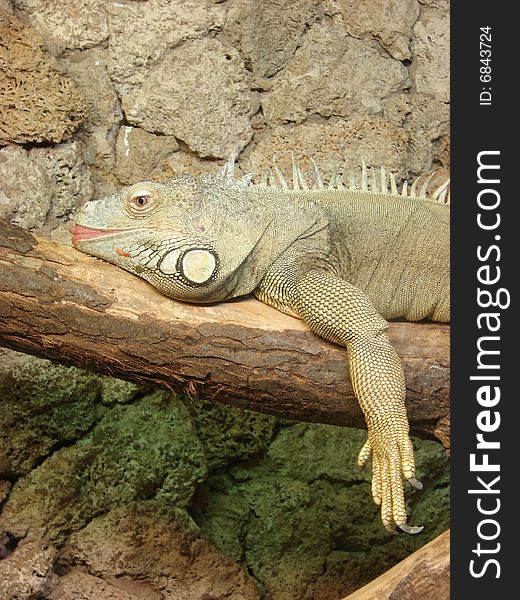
423 575
63 305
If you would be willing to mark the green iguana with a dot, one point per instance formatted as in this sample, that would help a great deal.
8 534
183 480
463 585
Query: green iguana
341 257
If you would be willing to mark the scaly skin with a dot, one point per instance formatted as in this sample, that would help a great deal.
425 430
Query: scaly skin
341 259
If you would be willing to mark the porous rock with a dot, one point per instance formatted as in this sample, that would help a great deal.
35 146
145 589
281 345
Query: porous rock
428 122
5 486
66 166
42 186
117 391
212 119
147 449
67 24
141 33
77 585
139 152
341 146
88 69
6 9
25 188
440 4
183 162
228 433
142 542
388 21
430 69
442 152
37 102
269 32
266 512
42 405
26 573
332 74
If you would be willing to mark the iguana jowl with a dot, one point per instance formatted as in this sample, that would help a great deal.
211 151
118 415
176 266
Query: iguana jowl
342 258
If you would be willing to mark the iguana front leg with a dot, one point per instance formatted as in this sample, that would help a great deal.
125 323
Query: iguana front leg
338 311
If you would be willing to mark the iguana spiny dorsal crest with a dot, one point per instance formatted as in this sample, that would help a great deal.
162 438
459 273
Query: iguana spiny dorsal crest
343 256
380 181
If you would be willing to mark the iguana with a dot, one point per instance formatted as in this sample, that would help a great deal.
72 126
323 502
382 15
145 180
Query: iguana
343 257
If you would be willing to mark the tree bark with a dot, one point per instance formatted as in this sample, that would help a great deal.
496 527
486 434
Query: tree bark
423 575
61 304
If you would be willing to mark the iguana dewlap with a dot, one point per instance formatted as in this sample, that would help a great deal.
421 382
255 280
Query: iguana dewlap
341 257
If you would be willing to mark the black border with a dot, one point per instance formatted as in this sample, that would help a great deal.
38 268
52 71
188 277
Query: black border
476 128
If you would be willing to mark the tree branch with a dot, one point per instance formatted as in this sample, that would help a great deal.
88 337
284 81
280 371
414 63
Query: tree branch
61 304
423 575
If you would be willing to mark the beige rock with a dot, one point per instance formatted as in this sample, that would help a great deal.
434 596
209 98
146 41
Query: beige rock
141 33
396 108
183 162
26 573
333 146
442 152
37 103
211 118
389 21
431 49
25 189
138 152
269 32
6 8
428 122
66 167
140 542
38 510
67 24
77 585
88 69
5 486
332 74
40 187
441 4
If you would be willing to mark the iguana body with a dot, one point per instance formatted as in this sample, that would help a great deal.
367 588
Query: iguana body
341 259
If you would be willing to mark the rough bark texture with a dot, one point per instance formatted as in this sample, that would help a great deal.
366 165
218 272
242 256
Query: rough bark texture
58 303
424 574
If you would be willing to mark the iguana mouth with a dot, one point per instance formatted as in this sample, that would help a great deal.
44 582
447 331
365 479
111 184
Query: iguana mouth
81 233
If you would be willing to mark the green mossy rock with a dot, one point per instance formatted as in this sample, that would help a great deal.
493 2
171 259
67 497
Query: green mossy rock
117 391
301 518
141 451
42 406
229 433
285 500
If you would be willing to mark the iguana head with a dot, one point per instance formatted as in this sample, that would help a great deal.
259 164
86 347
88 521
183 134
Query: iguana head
198 239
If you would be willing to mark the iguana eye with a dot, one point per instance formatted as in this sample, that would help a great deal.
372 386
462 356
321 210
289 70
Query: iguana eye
140 202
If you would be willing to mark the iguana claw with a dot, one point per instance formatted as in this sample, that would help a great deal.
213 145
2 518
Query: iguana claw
416 484
412 530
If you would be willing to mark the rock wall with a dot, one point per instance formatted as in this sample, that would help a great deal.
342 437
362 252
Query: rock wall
108 490
108 93
111 491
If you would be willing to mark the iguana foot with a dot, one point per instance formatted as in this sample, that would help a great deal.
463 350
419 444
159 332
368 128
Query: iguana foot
391 460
